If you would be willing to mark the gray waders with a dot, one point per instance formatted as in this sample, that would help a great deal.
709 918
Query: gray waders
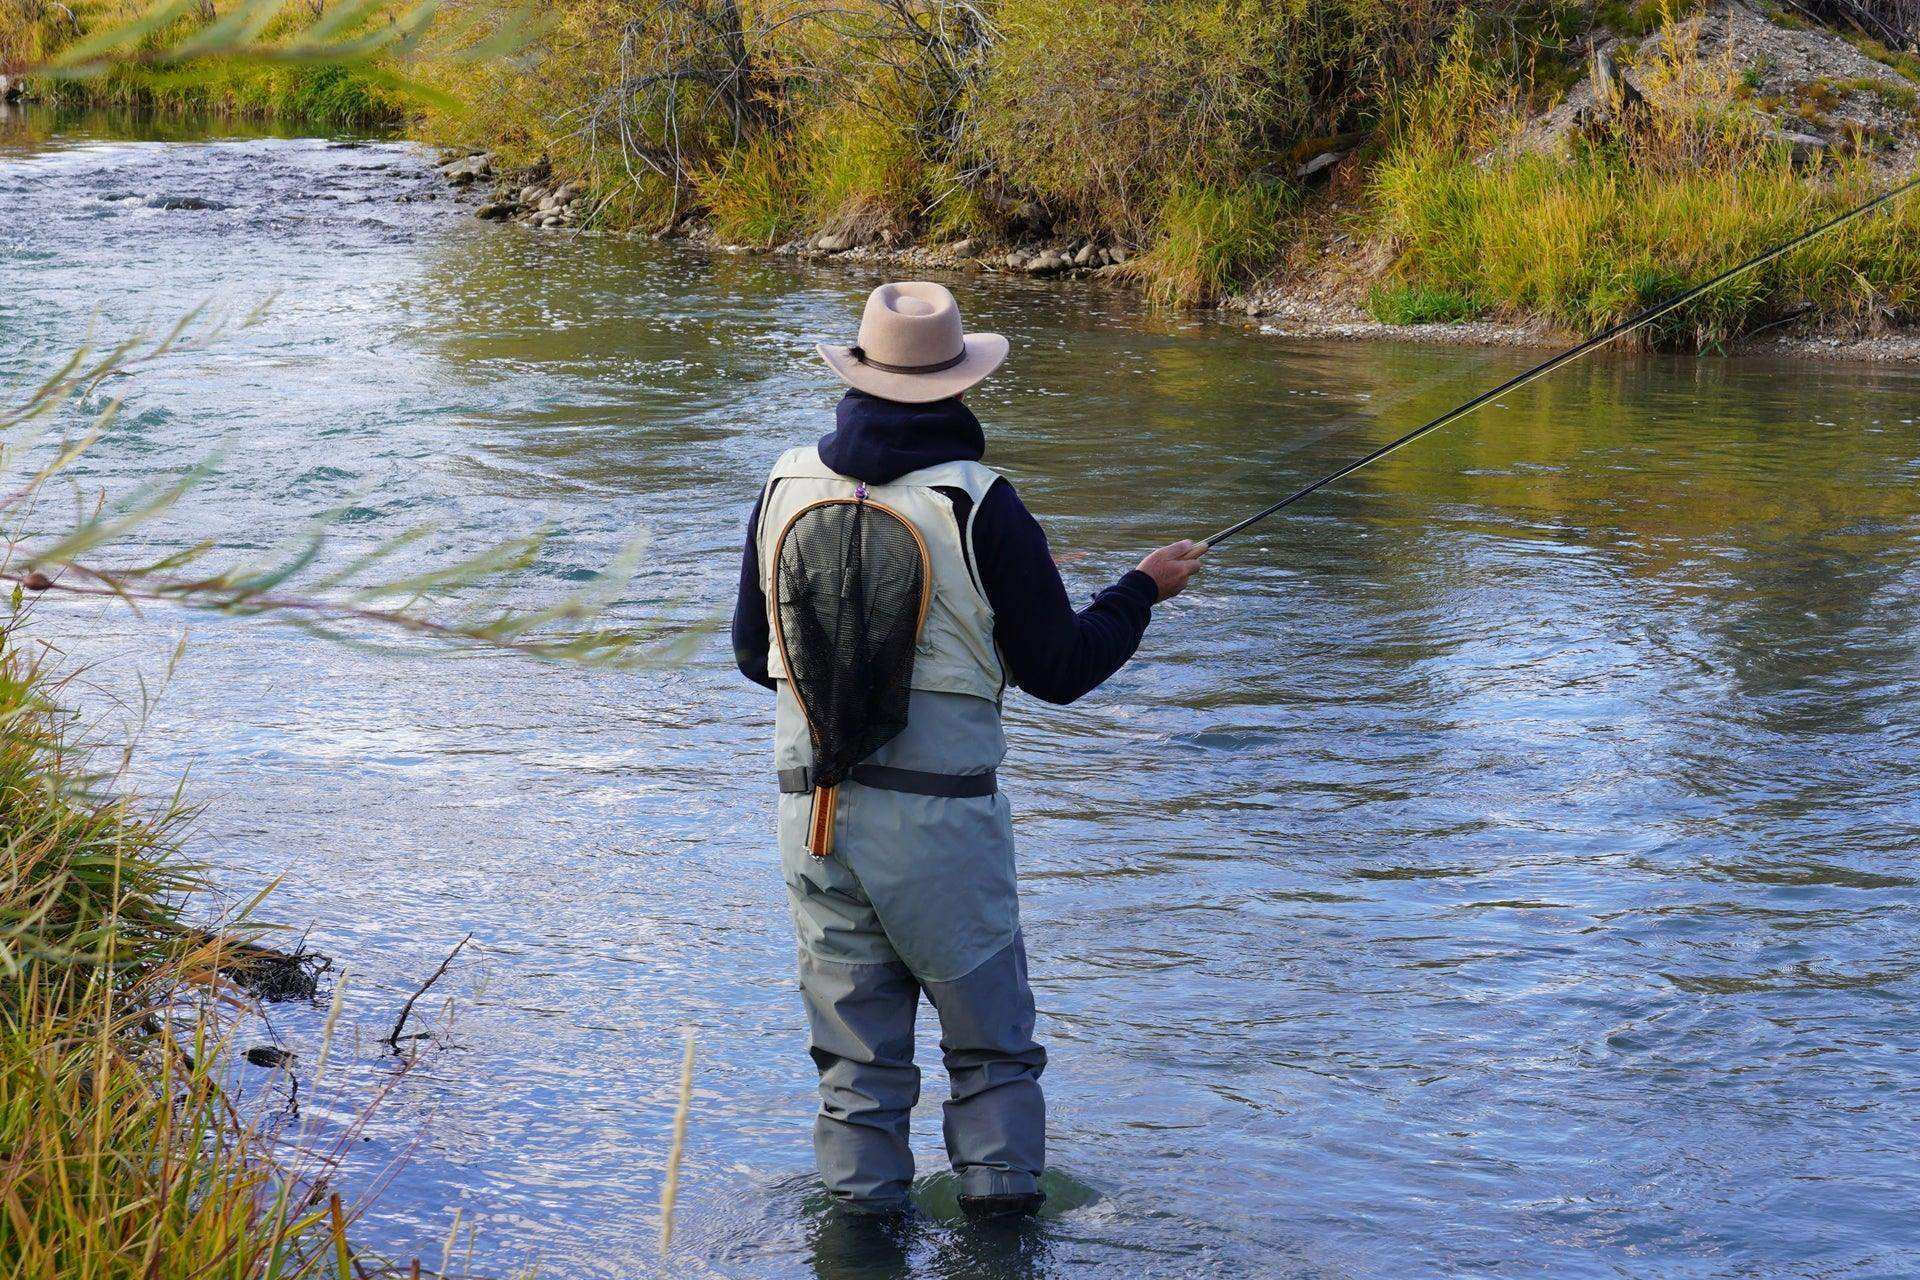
917 896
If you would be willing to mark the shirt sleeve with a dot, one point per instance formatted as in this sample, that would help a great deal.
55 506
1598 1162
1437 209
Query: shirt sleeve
751 634
1054 653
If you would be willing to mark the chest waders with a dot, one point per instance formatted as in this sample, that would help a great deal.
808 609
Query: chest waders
895 842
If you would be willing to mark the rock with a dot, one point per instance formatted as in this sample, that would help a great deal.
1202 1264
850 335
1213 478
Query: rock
887 237
548 203
1319 164
9 89
1806 147
1046 264
1117 255
494 211
1613 94
1016 259
1085 256
267 1055
832 243
200 203
466 170
530 194
961 248
569 193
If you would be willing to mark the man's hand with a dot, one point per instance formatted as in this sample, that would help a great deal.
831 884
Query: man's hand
1172 567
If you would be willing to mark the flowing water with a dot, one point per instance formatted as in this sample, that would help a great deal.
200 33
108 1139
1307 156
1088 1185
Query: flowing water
1503 864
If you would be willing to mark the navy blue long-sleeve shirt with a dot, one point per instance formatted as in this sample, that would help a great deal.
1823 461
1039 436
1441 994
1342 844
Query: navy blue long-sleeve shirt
1050 650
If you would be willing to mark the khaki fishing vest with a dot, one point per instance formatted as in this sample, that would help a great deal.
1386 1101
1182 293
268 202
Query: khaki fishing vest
956 653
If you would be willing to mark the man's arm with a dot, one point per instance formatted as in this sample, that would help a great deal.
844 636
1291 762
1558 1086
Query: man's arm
1051 651
751 634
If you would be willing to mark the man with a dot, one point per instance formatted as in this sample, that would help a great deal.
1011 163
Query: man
901 877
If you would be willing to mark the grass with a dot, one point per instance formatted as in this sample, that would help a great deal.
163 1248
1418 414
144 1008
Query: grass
753 196
125 1156
1420 304
1208 237
1588 234
1584 242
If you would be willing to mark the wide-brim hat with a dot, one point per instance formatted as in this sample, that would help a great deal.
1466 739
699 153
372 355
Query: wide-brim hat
912 346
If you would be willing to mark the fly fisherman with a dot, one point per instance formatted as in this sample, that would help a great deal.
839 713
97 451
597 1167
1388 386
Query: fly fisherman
892 588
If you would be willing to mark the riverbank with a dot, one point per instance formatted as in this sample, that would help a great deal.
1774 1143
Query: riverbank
1283 305
319 93
128 1152
1517 192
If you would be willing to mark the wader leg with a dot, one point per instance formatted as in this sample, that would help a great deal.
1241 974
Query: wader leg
996 1119
861 1016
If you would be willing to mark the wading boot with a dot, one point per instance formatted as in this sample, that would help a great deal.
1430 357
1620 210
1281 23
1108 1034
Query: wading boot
981 1208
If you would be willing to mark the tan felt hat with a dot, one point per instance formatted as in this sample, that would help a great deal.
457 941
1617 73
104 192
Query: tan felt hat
912 348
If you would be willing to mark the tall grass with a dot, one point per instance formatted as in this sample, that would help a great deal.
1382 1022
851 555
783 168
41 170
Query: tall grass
124 1156
1210 237
1590 233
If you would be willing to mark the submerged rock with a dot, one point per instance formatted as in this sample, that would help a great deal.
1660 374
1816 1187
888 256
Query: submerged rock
185 202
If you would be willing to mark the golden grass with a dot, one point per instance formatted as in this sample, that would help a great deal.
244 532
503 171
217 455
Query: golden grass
122 1156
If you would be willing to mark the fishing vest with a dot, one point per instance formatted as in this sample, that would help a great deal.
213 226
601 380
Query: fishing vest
956 653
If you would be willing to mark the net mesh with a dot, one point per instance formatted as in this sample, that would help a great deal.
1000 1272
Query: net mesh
851 583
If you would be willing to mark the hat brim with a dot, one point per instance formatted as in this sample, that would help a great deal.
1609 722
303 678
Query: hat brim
985 351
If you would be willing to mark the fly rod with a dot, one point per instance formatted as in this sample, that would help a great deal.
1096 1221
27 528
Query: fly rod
1568 356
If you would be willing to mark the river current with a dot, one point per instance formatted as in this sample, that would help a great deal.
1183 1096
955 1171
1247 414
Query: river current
1502 864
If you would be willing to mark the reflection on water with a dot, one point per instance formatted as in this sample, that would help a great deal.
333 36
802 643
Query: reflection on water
1502 864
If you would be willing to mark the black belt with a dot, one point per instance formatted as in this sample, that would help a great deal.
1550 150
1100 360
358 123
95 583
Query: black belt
951 786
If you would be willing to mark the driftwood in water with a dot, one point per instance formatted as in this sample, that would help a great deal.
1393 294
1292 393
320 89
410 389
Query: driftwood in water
406 1010
268 973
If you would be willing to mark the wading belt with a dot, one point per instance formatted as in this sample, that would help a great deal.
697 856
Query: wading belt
950 786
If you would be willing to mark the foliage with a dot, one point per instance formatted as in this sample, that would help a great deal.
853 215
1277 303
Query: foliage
1210 237
752 195
442 601
125 1155
1584 237
1583 243
1419 304
346 66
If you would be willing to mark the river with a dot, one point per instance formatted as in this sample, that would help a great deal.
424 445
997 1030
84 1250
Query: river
1502 864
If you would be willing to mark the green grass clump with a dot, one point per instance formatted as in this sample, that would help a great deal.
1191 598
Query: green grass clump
754 195
1420 304
1901 97
1208 238
1584 241
862 175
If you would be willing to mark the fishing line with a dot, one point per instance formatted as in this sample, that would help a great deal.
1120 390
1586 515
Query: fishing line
1571 354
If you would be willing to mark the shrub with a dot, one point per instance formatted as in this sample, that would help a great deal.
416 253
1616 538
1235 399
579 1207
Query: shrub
1100 107
862 174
